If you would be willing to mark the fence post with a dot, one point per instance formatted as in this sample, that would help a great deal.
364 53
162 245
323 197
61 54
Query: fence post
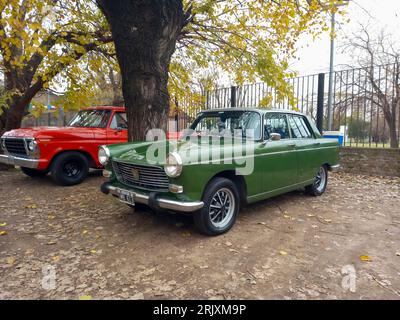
233 96
320 102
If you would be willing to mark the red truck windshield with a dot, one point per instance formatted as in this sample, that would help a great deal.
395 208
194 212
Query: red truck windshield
90 119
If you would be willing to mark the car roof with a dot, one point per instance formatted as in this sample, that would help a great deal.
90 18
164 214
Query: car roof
107 108
259 110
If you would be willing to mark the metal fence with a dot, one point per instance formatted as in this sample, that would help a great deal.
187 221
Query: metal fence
366 103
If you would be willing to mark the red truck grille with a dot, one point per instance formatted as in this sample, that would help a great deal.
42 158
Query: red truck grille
139 176
16 146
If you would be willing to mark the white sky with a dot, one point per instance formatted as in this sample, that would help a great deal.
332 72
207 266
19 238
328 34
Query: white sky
314 55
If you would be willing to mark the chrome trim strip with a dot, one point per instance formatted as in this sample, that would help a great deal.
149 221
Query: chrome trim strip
278 189
181 206
17 161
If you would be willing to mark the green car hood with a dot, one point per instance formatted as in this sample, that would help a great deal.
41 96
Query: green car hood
190 151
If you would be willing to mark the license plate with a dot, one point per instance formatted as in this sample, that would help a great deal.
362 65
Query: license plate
127 197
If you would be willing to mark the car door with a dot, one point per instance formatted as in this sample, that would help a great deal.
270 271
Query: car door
306 146
117 132
279 159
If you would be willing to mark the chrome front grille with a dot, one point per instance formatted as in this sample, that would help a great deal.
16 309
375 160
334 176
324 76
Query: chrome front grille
140 176
16 146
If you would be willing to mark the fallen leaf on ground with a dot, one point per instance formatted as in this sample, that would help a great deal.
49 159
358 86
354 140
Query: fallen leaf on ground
31 206
10 260
85 297
186 234
3 233
398 253
51 217
50 243
93 251
262 223
328 220
365 258
84 232
56 258
3 224
283 253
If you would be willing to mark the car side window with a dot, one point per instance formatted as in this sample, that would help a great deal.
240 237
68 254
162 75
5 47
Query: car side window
119 121
276 123
299 128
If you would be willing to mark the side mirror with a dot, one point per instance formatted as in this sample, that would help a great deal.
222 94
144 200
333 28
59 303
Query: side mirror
275 136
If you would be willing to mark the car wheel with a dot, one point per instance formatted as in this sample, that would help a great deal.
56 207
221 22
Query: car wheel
221 206
70 168
34 172
320 182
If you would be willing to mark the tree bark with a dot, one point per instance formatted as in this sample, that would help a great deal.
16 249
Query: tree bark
145 34
391 121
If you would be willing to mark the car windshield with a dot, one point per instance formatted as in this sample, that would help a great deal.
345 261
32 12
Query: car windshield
90 119
245 124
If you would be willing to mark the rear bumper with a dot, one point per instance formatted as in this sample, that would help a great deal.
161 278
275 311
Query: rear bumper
153 201
334 168
18 161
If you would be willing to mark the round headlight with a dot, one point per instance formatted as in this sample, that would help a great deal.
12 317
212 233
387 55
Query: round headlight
32 145
104 155
173 165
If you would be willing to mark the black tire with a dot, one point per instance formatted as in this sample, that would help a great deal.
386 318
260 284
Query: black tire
320 182
34 172
70 168
203 218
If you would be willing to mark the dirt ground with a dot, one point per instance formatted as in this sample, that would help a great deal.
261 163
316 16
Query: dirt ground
290 247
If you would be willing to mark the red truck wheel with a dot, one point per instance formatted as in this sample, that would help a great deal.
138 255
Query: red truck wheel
70 168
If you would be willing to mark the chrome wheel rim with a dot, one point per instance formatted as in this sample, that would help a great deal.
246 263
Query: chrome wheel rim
222 208
320 180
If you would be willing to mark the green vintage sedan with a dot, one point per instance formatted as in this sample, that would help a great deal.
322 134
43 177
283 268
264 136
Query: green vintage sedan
226 158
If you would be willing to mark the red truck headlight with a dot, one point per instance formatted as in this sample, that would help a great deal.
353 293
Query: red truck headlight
104 155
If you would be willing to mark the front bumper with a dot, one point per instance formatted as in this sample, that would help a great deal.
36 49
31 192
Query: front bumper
18 161
153 201
334 168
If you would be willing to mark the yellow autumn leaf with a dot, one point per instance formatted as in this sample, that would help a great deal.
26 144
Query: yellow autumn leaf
186 234
283 253
84 232
10 260
3 233
85 297
365 258
3 224
93 251
56 258
51 217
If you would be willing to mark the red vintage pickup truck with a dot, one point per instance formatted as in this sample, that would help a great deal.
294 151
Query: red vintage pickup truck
67 152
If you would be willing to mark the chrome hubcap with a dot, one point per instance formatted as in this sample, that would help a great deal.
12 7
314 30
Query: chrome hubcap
320 180
222 207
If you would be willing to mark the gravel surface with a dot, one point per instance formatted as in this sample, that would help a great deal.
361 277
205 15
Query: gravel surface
76 243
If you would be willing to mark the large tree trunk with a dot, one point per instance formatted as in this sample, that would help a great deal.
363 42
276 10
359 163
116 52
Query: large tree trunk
18 103
145 34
